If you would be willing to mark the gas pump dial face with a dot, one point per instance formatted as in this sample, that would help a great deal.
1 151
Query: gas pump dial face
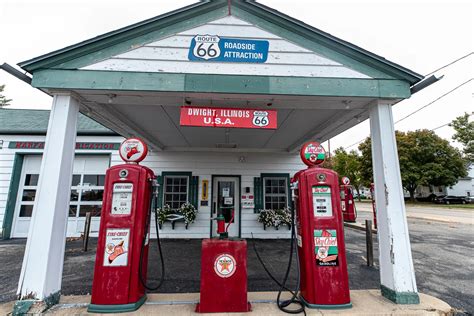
312 154
133 150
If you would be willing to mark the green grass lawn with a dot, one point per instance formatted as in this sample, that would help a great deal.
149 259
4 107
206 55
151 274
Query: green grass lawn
450 206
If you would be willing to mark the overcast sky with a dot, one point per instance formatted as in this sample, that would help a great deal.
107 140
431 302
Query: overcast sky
421 35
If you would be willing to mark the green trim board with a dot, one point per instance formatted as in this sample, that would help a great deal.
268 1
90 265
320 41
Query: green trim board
205 83
121 308
239 187
22 307
317 306
400 297
12 196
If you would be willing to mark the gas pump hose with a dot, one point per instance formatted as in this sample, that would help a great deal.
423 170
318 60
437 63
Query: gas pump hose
140 267
294 298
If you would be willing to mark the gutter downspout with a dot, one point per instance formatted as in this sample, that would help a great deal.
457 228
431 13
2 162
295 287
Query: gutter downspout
424 83
16 73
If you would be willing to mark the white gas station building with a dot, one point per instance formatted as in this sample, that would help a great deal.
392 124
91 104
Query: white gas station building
139 80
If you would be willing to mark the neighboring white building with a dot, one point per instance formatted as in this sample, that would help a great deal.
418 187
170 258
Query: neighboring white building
23 134
464 187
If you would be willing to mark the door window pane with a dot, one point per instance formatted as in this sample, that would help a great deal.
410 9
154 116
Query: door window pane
76 180
94 179
92 195
72 210
94 209
31 179
28 195
26 210
74 195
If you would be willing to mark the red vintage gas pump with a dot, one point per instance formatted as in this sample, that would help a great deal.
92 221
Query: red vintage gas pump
349 212
372 194
223 273
320 235
122 249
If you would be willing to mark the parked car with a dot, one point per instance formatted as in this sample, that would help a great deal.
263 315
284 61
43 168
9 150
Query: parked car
470 199
450 199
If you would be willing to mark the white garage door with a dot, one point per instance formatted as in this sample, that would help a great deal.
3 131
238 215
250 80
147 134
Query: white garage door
86 194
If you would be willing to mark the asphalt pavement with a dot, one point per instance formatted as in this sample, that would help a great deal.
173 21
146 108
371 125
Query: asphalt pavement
442 253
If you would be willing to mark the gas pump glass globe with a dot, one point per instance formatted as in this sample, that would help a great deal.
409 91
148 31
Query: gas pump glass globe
312 154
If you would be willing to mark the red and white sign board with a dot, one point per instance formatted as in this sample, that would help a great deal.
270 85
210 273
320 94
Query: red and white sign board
228 117
116 247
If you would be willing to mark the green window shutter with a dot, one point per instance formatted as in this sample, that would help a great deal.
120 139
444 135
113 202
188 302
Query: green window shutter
159 179
194 191
258 194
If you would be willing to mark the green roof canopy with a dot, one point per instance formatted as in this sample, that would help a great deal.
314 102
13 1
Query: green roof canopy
35 122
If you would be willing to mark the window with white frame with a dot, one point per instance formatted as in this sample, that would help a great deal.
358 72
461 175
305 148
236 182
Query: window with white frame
275 193
175 191
87 191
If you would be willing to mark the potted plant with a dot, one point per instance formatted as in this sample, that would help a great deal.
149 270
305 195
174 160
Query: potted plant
275 218
189 212
162 213
284 217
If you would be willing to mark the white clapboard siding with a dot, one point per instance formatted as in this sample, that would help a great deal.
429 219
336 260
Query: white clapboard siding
183 41
205 165
134 65
225 30
181 54
230 20
170 55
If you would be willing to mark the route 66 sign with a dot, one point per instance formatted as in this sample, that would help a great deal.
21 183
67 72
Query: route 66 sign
260 118
206 46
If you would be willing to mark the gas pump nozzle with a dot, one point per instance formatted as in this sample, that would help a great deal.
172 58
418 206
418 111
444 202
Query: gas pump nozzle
220 219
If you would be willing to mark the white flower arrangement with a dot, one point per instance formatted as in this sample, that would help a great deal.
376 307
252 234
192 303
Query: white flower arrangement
163 213
275 218
189 212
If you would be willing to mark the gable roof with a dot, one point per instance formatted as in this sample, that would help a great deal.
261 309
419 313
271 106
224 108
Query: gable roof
249 10
35 122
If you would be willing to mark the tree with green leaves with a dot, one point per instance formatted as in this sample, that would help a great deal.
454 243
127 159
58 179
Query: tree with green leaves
425 159
348 164
3 100
465 135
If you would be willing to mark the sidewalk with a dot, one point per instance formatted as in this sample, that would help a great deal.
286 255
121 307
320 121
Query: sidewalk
365 302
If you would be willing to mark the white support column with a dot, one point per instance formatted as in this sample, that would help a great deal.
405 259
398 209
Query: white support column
397 275
42 268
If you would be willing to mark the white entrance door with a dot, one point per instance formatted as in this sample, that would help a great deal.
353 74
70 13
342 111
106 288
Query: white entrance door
86 194
226 201
26 195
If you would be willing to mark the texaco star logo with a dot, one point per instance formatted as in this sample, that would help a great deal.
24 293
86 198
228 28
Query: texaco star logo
225 265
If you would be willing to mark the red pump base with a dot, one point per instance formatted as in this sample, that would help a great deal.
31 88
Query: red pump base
223 277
